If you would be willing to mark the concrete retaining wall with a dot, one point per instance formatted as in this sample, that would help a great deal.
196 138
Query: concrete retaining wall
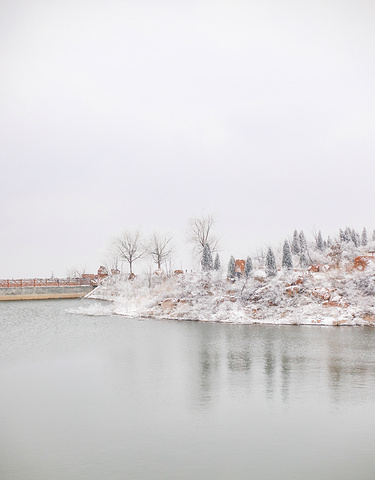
38 293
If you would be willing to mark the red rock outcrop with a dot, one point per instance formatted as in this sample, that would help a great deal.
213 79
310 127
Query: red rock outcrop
322 293
329 298
363 261
318 268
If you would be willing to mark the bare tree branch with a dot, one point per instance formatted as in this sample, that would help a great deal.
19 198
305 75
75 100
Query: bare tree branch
128 246
112 257
160 248
201 232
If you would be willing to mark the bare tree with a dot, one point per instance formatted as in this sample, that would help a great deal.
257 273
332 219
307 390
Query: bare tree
201 232
112 257
160 248
128 246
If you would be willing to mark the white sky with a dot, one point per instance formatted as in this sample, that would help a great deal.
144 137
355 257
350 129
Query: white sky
115 114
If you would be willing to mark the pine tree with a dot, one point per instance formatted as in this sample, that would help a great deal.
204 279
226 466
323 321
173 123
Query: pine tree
364 237
231 267
319 241
295 243
287 262
347 235
357 240
217 263
302 242
373 235
271 269
207 263
303 260
354 237
329 241
342 236
248 267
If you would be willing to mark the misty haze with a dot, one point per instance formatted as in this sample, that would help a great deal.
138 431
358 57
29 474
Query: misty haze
187 274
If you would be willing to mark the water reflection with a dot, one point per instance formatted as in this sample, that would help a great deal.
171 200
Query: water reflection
285 375
122 398
290 363
209 365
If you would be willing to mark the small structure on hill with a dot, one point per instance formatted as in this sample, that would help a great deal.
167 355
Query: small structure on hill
102 272
239 268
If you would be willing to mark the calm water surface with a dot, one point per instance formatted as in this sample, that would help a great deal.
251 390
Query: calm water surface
84 397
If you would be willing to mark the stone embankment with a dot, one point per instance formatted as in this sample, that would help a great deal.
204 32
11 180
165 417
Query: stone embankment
40 293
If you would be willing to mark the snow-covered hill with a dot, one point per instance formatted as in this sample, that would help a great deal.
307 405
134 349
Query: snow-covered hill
329 296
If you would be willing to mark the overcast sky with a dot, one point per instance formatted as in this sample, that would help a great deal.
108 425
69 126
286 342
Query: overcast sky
115 114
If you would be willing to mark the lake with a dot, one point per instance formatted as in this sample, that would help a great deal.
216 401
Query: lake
108 397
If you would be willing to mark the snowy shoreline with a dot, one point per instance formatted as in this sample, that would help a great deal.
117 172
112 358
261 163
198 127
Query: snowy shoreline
229 322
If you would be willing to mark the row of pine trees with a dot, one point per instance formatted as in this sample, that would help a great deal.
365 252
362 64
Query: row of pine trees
297 247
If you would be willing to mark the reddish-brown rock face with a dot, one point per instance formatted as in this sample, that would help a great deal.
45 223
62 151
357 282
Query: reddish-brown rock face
318 268
329 298
293 290
363 261
239 266
178 272
336 302
168 305
322 293
132 276
314 268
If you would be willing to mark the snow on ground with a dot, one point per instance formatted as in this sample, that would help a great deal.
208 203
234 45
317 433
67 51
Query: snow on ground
330 297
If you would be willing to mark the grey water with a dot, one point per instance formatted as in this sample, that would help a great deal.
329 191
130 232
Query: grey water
108 397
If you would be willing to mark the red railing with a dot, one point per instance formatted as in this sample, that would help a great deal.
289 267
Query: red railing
45 282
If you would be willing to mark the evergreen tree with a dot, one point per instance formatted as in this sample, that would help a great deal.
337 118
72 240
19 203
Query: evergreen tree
295 243
373 235
347 235
357 240
303 260
354 238
302 242
217 263
271 269
248 267
364 237
231 267
342 236
319 241
329 241
207 263
287 262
